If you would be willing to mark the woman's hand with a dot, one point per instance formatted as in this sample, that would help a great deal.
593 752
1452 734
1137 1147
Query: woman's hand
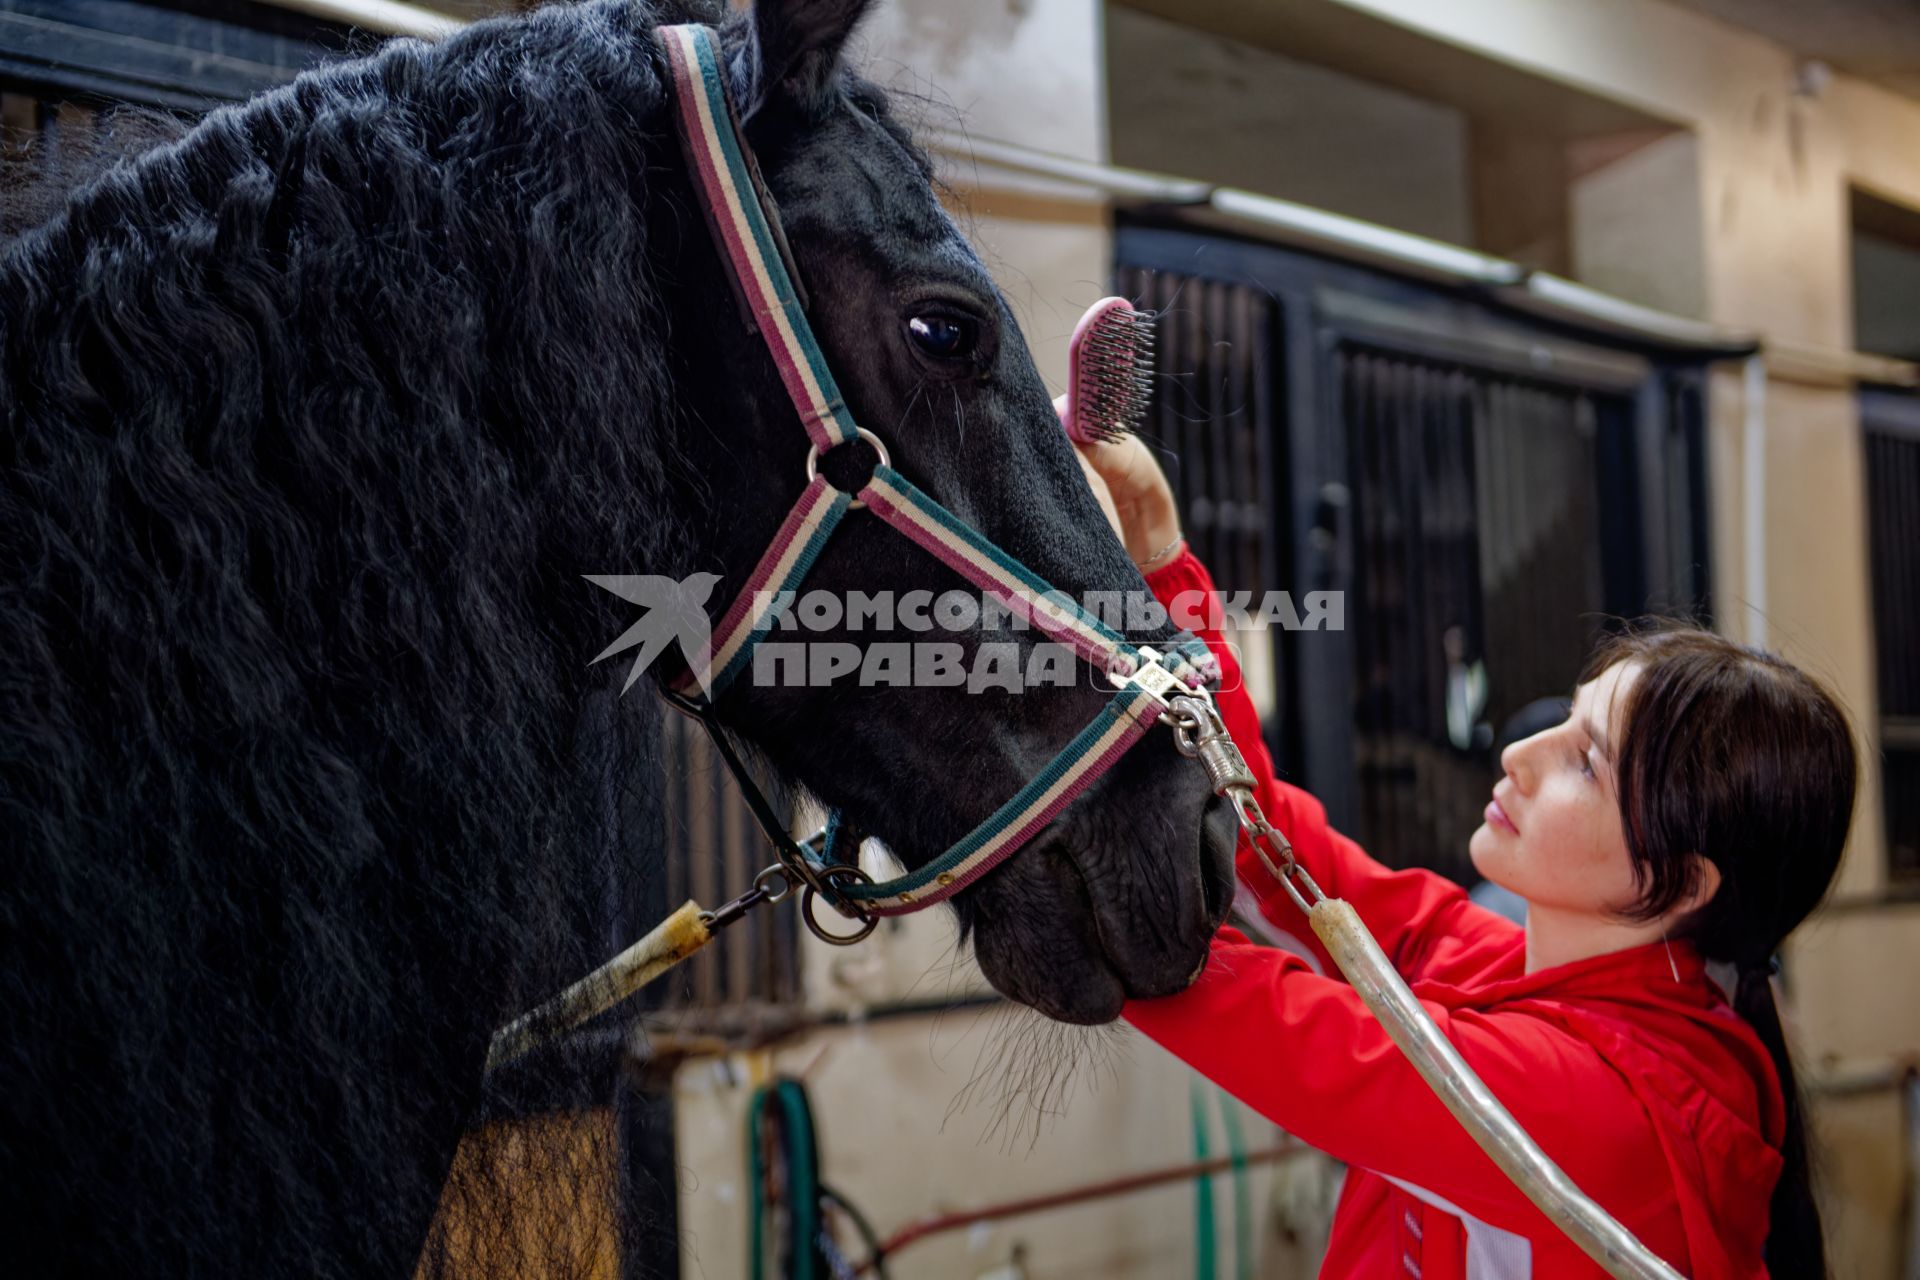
1134 493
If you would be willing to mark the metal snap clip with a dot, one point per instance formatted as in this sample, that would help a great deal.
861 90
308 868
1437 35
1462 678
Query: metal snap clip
778 871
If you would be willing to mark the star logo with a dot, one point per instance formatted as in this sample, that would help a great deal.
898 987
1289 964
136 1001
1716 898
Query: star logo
676 610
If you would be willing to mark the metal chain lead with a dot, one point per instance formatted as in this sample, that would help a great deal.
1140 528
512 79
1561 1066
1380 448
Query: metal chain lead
1201 735
813 882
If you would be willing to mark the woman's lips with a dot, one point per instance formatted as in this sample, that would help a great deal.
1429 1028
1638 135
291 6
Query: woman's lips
1497 817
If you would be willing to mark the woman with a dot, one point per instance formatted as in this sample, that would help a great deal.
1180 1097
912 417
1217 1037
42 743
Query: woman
1691 809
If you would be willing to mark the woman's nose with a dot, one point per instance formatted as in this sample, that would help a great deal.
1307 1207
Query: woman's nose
1517 761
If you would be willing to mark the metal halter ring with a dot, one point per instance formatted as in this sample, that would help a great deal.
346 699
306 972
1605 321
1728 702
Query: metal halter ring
809 895
813 460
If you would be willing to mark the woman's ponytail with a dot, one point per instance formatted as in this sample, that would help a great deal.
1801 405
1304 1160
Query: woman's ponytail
1732 756
1796 1243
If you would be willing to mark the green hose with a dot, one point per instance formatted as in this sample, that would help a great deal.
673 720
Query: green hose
783 1106
756 1227
1242 1187
868 1236
1204 1249
780 1122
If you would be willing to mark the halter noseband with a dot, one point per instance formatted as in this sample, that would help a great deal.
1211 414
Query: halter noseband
747 233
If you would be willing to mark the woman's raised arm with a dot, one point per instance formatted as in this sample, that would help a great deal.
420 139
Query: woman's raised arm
1422 920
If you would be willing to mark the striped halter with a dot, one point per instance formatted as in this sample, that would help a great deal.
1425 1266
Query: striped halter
740 214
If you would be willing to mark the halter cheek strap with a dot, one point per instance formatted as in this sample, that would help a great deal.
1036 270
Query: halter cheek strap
1144 678
725 174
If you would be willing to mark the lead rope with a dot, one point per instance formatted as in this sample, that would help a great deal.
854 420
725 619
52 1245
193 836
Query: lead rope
1141 699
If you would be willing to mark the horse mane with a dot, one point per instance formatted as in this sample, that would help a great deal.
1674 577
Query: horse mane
310 420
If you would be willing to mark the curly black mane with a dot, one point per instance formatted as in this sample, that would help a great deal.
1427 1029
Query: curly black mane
312 420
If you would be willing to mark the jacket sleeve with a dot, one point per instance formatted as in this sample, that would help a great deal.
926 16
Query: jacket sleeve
1305 1052
1423 921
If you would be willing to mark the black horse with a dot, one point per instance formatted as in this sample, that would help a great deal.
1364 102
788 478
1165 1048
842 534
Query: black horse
314 418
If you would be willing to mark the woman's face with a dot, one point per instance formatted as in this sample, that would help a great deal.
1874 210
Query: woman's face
1552 833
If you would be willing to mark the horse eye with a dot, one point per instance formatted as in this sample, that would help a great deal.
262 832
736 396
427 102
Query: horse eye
944 337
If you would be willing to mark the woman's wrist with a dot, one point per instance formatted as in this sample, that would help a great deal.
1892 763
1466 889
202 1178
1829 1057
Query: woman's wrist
1162 556
1151 521
1139 501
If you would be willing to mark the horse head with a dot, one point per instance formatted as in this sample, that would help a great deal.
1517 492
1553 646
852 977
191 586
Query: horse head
1122 892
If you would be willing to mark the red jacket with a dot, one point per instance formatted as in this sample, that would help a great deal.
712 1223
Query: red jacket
1656 1098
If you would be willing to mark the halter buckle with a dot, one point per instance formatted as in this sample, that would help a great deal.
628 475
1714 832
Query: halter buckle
1151 678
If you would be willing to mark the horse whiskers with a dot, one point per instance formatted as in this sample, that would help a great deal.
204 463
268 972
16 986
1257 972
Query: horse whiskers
1029 1069
950 963
958 1000
918 390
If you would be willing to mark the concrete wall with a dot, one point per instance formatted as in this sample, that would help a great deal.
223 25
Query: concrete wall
980 1104
915 1118
1637 227
1200 105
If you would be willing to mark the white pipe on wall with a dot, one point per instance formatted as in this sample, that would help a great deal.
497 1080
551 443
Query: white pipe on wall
1131 184
391 17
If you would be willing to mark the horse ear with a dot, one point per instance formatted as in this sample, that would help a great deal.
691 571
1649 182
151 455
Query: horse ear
796 48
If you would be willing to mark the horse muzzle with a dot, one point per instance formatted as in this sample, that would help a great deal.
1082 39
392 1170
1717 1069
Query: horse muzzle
1119 900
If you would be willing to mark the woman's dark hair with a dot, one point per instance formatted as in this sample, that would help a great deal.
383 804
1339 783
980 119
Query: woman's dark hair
1733 754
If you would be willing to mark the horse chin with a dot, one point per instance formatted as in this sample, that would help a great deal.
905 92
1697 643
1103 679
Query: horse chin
1061 973
1041 938
1089 994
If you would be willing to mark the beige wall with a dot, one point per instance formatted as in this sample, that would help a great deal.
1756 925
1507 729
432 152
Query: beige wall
1770 219
1773 168
1201 105
913 1120
1638 229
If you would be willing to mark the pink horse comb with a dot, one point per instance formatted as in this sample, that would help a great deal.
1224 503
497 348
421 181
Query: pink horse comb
1110 365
